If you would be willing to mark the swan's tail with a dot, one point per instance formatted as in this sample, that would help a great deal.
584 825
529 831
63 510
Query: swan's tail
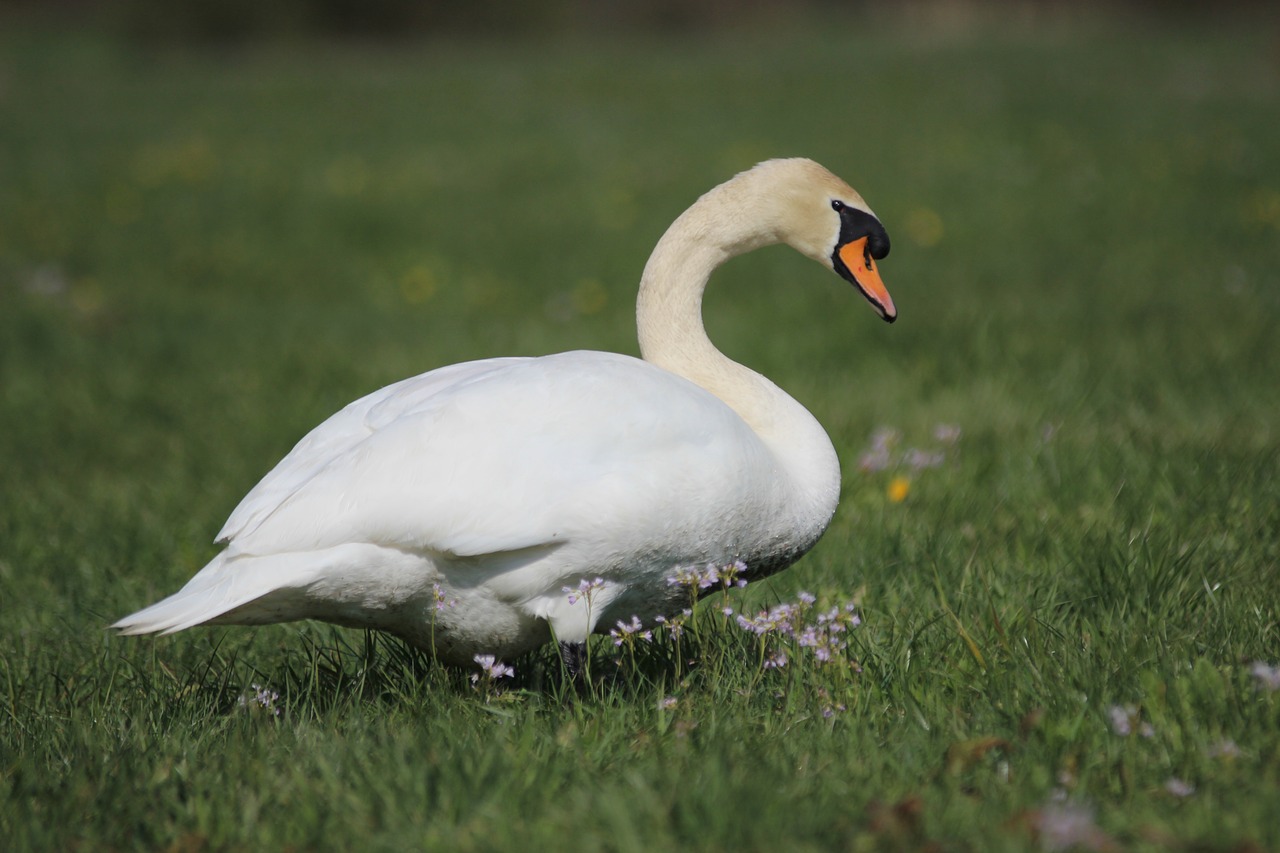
216 591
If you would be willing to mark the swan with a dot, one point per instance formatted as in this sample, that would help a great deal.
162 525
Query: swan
454 509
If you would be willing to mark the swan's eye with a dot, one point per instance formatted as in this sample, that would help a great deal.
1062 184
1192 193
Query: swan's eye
837 205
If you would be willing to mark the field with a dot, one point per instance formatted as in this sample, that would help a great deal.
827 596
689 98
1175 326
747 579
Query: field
1069 593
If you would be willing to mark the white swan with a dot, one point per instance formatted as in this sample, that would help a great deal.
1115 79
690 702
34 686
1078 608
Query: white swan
493 485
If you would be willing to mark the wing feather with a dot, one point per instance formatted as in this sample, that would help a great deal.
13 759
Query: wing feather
344 430
503 455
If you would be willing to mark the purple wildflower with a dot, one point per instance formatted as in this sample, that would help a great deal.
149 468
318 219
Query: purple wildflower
1179 787
585 589
884 438
675 626
709 575
1122 719
779 619
874 461
441 600
1268 676
263 697
491 669
690 576
627 630
878 456
668 703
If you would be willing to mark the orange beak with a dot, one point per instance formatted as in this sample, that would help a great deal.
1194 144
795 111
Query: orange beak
856 259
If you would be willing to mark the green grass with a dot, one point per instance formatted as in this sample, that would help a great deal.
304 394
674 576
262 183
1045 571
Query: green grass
203 254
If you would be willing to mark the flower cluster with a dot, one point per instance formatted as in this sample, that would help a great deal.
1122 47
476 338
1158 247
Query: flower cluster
262 698
675 624
780 619
442 601
879 455
630 631
799 622
586 589
491 669
705 577
776 660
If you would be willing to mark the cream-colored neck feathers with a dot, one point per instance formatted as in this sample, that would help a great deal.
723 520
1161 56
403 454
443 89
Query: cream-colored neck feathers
778 201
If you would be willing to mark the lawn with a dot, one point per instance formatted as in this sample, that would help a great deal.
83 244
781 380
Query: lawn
1060 520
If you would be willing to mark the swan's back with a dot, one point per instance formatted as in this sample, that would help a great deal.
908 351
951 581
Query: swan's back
512 455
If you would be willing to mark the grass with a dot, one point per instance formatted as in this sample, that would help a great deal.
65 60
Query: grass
203 254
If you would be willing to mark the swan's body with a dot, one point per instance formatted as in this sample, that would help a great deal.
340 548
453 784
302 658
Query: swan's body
494 485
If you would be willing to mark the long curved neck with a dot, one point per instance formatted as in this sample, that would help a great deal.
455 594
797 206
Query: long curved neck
669 307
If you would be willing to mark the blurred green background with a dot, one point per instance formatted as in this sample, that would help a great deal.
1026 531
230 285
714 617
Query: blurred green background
220 222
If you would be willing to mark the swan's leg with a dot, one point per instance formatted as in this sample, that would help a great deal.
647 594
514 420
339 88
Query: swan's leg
574 656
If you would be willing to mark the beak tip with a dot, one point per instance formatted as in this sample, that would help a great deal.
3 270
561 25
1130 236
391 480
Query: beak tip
887 310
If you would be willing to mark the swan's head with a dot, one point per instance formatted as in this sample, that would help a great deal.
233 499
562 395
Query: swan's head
824 218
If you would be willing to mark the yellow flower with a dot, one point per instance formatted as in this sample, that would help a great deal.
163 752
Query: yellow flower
898 488
924 227
418 284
